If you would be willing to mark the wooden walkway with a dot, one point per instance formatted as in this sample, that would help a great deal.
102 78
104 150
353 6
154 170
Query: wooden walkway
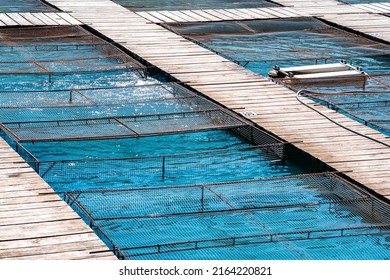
36 19
220 14
381 8
293 9
275 108
35 223
367 19
364 18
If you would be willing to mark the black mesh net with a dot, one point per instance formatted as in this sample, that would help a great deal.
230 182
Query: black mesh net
249 207
59 50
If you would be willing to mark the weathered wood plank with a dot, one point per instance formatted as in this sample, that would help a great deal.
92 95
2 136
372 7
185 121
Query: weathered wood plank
7 20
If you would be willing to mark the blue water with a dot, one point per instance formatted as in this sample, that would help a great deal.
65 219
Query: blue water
364 1
375 247
210 158
156 5
264 44
12 6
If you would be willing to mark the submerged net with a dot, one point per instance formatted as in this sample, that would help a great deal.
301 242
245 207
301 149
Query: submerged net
93 96
259 45
12 6
121 126
98 103
155 5
302 207
151 170
59 50
372 109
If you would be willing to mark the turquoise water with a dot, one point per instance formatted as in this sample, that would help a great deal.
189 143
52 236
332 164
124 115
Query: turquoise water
375 247
188 158
228 187
12 6
364 1
260 45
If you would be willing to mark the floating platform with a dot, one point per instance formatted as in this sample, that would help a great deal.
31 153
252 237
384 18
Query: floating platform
320 73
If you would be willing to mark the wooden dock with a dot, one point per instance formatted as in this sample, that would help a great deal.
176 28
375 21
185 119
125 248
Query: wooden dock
220 14
36 19
37 224
369 19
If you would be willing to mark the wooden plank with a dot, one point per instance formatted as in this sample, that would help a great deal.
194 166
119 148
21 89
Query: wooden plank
160 16
71 20
40 230
7 20
149 17
28 219
48 241
382 7
263 14
209 16
184 17
38 252
55 17
31 18
218 13
172 16
42 17
242 13
195 16
19 19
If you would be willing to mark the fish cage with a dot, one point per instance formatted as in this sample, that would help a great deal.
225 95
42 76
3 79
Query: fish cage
155 5
256 161
372 109
108 102
262 45
55 51
199 164
122 126
31 6
258 212
363 1
94 96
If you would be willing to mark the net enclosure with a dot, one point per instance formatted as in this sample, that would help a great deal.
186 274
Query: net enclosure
155 5
212 165
281 209
261 44
103 102
121 126
55 50
151 162
14 6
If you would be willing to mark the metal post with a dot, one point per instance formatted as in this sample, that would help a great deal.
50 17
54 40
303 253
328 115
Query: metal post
163 168
70 96
37 166
202 199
